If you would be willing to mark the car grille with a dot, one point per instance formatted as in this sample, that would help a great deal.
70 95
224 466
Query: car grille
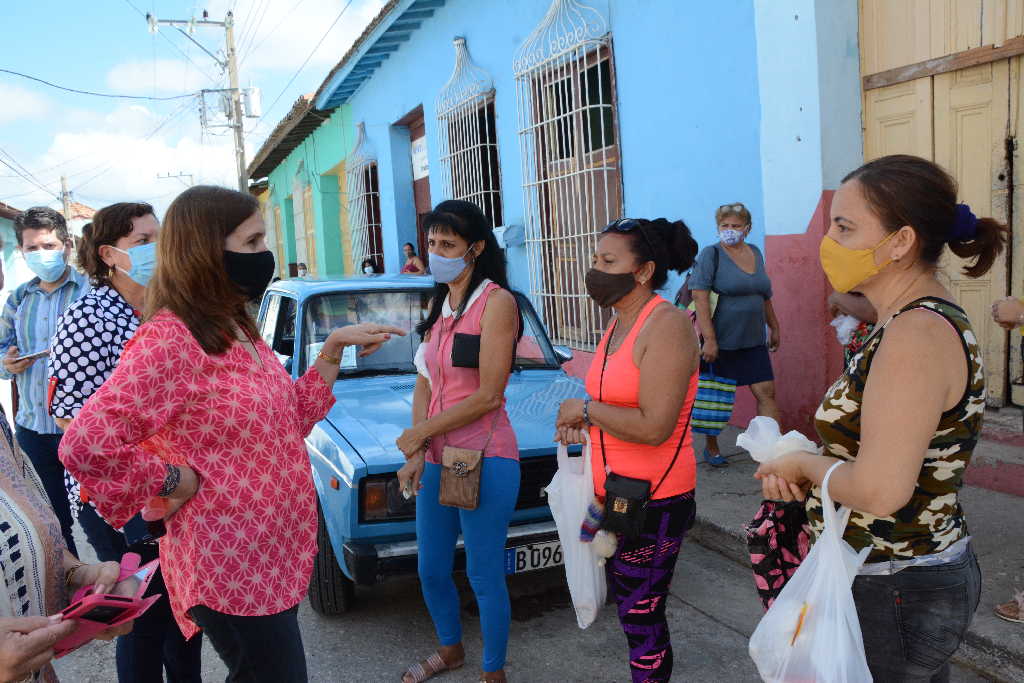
534 474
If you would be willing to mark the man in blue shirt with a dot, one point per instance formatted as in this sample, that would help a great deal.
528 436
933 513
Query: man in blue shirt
27 325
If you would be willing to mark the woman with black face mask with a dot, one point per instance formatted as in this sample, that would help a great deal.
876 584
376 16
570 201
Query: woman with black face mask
200 426
641 386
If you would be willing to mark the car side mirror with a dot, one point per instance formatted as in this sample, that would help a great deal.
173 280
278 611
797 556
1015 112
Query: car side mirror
563 354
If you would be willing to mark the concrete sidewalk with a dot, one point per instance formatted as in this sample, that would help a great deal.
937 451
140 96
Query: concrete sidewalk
727 499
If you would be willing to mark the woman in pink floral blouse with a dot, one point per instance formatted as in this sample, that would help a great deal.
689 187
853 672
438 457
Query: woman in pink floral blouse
200 424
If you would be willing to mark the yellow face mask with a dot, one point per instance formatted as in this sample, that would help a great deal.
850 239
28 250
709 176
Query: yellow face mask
847 268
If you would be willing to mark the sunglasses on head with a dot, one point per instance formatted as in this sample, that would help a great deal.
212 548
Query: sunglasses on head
732 208
628 225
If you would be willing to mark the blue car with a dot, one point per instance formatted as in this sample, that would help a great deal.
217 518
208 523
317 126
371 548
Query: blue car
367 529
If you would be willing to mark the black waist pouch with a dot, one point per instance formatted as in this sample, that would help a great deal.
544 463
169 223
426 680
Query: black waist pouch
625 504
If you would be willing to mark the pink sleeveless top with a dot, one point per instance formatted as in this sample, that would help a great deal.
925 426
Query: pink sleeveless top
450 384
621 387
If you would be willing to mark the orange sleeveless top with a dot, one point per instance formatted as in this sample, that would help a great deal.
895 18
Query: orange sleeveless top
620 386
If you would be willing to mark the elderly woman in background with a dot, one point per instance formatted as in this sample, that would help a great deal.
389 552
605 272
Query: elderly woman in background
735 344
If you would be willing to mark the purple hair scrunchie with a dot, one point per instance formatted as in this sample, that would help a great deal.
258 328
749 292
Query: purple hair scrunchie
965 225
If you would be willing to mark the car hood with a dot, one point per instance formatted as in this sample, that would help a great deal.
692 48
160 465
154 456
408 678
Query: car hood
371 412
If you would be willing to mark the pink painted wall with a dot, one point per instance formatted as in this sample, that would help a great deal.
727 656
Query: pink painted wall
809 357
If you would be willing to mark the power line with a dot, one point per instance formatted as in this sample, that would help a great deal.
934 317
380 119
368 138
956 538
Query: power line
304 63
24 177
110 165
176 48
23 171
250 38
286 17
95 94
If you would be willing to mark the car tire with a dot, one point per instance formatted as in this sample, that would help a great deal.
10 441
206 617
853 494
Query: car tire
330 592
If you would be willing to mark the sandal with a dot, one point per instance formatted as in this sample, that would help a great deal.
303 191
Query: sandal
430 667
716 460
485 679
1013 610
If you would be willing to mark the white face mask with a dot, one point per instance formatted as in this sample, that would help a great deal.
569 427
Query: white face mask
368 270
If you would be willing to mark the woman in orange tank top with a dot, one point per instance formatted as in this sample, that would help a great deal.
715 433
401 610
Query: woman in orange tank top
641 384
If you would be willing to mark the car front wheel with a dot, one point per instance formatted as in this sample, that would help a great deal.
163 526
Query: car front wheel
330 592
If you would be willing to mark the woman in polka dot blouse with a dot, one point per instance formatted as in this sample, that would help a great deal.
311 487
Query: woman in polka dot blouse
117 253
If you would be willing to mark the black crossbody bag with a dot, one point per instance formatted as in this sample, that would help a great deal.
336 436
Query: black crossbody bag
626 498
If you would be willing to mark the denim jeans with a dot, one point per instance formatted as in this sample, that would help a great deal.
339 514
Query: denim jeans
265 649
41 450
914 621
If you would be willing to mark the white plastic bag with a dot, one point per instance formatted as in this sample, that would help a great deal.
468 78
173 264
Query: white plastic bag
845 326
764 441
811 632
569 494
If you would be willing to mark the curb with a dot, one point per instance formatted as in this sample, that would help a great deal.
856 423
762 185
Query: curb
977 652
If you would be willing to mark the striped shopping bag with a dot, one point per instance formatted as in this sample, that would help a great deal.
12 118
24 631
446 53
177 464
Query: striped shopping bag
712 407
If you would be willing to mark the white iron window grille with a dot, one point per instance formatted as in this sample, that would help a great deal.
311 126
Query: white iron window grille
467 136
363 190
572 182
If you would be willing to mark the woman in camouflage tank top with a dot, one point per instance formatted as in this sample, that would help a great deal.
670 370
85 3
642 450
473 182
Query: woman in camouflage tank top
905 415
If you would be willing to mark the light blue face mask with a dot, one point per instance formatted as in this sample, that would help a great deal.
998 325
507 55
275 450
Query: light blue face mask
730 236
445 269
48 264
143 258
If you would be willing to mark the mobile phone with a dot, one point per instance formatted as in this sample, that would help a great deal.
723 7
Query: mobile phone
31 356
94 613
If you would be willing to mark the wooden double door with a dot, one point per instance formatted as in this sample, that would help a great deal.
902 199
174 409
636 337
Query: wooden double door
967 121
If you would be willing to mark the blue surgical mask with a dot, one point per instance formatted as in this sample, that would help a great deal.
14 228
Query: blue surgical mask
445 269
143 258
48 264
731 236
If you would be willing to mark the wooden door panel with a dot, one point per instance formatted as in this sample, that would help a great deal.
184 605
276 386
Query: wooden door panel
971 115
898 120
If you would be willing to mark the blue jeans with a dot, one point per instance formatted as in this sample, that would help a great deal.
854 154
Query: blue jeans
264 649
484 531
914 621
41 450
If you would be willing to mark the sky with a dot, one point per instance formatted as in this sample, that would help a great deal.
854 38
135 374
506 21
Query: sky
113 150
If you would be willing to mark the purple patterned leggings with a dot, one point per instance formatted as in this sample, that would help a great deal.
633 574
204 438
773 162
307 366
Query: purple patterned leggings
639 577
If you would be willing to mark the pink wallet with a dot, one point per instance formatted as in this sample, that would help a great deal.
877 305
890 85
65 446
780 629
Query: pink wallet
96 612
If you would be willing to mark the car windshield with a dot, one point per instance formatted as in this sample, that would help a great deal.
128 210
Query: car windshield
402 309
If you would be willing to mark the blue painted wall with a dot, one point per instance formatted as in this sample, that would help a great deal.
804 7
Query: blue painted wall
688 99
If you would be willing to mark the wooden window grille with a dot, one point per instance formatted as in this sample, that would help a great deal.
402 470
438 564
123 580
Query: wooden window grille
572 181
468 141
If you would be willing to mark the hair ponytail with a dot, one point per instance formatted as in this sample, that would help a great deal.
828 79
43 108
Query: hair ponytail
989 240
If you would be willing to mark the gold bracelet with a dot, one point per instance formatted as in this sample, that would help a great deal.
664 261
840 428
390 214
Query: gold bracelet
70 574
330 359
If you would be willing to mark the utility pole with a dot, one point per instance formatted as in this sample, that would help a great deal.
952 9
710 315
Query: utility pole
229 63
65 198
236 102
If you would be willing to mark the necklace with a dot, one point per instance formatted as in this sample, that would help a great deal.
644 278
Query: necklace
890 305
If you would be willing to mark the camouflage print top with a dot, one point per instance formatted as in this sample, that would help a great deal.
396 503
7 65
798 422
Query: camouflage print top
932 520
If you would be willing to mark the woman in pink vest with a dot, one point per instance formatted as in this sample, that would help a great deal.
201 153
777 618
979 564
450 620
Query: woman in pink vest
641 384
469 339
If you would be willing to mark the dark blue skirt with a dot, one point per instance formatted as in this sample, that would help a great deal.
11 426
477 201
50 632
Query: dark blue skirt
745 366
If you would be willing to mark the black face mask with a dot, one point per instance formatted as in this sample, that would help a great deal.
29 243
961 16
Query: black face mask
607 288
251 272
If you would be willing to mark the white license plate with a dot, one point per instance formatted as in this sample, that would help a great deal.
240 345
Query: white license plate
526 558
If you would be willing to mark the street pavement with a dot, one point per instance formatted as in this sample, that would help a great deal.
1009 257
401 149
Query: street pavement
712 611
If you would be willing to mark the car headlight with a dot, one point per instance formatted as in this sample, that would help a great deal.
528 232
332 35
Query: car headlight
382 500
